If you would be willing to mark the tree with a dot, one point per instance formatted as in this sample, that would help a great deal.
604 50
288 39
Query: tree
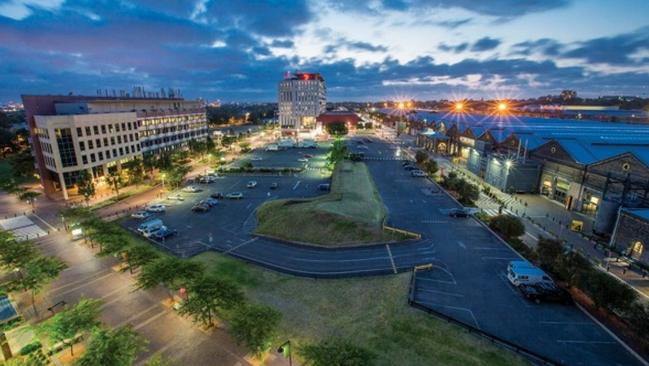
336 353
15 254
135 171
139 256
336 153
86 186
36 274
209 145
337 128
82 317
114 347
607 291
29 196
209 295
22 164
170 272
114 179
430 167
468 192
255 325
509 226
421 156
549 252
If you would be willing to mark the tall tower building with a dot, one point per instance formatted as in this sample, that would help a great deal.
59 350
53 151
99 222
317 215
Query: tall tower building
302 98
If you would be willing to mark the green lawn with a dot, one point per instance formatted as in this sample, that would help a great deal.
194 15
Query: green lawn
351 213
372 312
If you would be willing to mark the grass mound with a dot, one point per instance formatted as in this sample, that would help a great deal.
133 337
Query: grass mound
352 213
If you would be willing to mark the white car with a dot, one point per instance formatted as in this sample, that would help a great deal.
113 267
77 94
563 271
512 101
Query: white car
156 208
175 197
303 160
140 214
191 189
234 196
417 173
252 184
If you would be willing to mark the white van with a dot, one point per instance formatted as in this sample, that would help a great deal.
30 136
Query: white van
525 273
148 228
272 147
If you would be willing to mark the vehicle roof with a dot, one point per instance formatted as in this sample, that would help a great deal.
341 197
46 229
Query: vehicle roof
529 271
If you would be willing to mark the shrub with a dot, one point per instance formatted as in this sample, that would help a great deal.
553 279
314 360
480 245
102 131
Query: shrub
607 292
421 156
337 353
509 226
638 318
27 349
549 252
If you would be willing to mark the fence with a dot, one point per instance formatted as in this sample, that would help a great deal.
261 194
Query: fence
524 352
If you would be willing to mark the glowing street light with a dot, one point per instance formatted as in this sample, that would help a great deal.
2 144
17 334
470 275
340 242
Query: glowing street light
459 106
502 107
401 105
508 164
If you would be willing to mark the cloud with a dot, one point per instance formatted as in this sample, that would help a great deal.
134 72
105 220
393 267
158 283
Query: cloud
286 43
456 48
366 46
616 50
453 24
21 9
485 44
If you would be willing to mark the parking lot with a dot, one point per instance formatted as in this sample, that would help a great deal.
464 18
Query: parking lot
285 158
468 280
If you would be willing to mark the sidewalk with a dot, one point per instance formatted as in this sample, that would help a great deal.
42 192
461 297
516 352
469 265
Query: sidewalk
543 217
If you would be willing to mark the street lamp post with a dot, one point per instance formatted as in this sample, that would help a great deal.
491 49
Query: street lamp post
286 346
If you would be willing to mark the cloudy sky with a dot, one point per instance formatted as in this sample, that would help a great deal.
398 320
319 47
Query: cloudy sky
366 50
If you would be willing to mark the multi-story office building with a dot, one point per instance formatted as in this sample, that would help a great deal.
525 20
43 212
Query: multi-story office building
302 98
70 134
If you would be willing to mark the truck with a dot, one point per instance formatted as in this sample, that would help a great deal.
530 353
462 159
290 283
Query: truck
525 273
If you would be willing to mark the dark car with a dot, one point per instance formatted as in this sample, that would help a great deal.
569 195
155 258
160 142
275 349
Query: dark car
406 162
324 187
201 207
458 212
410 167
164 233
274 185
217 195
545 292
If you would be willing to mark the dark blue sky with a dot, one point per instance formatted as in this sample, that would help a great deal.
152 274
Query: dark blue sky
366 50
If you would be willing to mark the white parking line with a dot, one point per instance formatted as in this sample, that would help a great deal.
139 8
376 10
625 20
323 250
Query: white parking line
240 245
531 236
440 292
461 244
296 184
394 268
455 308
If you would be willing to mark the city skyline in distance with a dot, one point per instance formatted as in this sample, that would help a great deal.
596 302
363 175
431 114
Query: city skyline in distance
383 50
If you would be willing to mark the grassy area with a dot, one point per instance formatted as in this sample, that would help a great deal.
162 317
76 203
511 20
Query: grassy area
371 312
351 213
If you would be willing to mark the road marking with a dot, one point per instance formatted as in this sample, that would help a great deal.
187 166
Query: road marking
455 308
151 319
461 244
45 222
247 207
394 268
135 316
531 236
440 292
586 342
240 245
296 184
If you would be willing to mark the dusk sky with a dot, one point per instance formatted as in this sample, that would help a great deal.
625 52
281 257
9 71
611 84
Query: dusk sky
366 50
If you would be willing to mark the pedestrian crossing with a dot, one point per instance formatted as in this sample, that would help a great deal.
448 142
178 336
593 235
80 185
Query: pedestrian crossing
22 227
494 212
380 158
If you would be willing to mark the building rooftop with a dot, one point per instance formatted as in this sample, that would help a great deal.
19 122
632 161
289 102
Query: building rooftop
642 213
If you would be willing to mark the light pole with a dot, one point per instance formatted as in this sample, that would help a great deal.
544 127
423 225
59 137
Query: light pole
286 346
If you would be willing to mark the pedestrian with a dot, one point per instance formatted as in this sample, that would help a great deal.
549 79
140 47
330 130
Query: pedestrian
644 273
624 270
608 267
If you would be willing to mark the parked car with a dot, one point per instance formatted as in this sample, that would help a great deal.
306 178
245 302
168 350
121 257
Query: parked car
201 207
234 196
191 189
217 195
274 185
156 207
141 214
406 162
164 233
206 179
210 202
324 187
417 173
150 227
545 292
176 197
410 167
367 140
303 160
458 212
308 156
252 184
